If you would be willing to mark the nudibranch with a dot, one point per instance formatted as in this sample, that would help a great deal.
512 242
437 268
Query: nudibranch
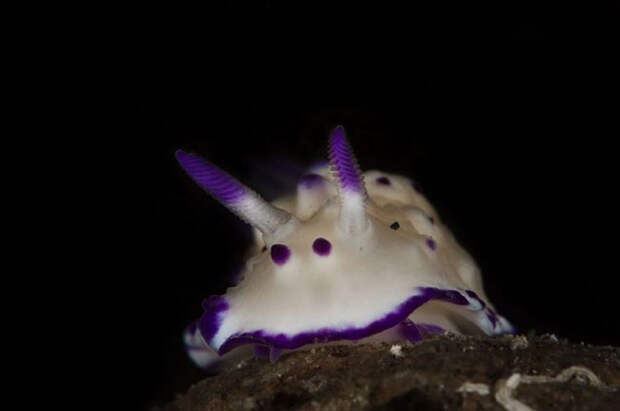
350 256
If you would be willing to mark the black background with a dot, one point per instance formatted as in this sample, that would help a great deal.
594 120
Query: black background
497 112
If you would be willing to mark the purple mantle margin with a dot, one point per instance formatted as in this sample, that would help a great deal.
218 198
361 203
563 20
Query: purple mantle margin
210 321
215 306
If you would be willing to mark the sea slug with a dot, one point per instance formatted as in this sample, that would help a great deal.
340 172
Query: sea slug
350 256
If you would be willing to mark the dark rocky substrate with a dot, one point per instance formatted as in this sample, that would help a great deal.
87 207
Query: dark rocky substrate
420 376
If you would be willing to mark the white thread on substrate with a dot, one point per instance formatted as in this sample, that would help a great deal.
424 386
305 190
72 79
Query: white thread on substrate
482 389
506 386
503 394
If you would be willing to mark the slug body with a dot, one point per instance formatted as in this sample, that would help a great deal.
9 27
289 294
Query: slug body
351 256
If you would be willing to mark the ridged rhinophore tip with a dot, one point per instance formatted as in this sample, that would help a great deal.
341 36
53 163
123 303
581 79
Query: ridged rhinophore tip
343 163
239 199
351 189
222 186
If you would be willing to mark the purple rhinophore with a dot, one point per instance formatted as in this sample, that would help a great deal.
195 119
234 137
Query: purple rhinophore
210 320
383 180
322 246
311 180
280 253
217 182
431 219
431 244
343 162
409 330
390 320
430 328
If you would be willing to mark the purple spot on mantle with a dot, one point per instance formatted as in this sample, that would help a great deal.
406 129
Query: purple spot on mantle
217 182
310 180
383 180
343 161
321 246
280 253
431 244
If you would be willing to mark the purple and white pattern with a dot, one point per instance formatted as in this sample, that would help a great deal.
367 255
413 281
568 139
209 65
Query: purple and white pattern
280 253
350 183
242 201
322 246
399 317
343 162
346 262
218 183
199 351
